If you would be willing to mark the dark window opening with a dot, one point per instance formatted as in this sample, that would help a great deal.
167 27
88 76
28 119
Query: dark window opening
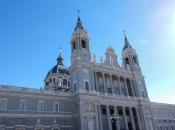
127 61
83 44
111 111
164 121
104 111
74 45
87 85
68 83
109 90
127 112
65 82
134 58
50 80
120 112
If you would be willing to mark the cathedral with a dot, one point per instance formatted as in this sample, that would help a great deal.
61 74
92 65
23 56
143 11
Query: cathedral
87 95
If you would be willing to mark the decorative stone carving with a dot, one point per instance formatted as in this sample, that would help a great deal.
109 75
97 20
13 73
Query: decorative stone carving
150 125
90 125
147 112
89 109
94 58
60 80
101 59
86 71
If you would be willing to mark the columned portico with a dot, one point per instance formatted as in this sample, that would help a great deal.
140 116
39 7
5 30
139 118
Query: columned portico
108 118
132 119
132 89
125 118
96 82
126 86
104 83
111 84
119 85
100 118
117 117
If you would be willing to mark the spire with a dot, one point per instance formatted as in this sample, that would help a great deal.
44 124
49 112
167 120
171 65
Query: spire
60 58
79 23
126 42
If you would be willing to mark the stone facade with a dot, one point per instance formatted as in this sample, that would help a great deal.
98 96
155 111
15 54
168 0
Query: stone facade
87 95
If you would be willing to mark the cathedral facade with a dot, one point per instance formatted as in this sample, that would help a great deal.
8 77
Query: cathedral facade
87 95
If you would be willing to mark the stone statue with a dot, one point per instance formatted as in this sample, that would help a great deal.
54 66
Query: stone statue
128 68
59 81
90 125
94 58
101 59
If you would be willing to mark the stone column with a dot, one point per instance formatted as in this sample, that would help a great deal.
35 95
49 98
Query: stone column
111 84
119 85
132 87
93 84
81 115
104 83
117 119
108 118
96 83
126 86
144 118
132 118
138 119
96 117
100 118
125 118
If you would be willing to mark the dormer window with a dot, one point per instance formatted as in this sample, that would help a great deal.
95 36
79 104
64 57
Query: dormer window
83 44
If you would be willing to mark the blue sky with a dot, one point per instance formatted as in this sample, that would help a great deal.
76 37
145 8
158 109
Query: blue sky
31 33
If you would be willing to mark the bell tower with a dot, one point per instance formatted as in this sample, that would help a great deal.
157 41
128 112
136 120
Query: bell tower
130 58
131 64
80 49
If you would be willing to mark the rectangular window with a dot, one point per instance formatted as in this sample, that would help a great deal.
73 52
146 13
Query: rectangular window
3 104
120 112
143 94
104 111
56 106
40 105
22 105
87 85
75 87
65 82
55 121
39 121
109 90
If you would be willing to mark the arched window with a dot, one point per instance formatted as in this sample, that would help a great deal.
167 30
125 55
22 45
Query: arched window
83 44
127 61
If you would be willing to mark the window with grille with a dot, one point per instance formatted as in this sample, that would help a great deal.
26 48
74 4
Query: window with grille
3 104
22 105
40 105
56 106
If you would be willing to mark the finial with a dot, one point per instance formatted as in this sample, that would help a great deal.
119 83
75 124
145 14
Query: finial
78 13
124 33
60 51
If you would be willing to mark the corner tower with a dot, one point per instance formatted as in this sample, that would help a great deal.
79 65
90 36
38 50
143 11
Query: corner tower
130 58
80 44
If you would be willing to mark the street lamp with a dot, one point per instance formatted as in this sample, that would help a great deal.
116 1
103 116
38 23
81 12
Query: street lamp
114 117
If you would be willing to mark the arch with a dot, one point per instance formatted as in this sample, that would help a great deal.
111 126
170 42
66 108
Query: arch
83 44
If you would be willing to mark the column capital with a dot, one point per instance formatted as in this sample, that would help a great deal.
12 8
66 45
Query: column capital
92 68
96 71
110 74
118 76
123 106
